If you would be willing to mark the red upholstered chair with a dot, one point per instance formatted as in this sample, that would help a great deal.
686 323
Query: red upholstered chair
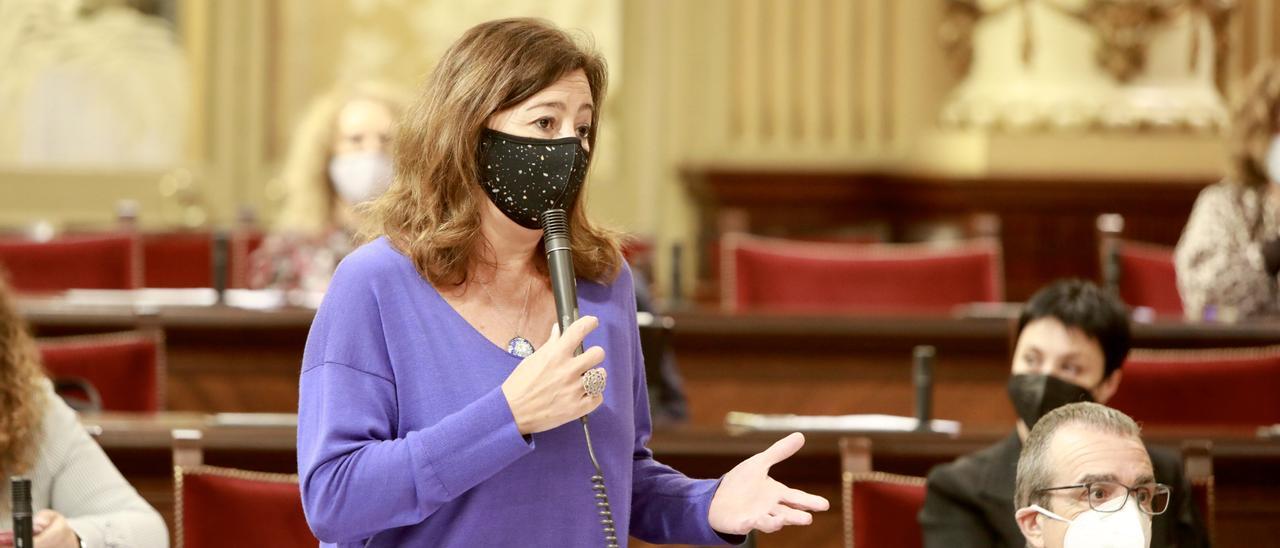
216 506
882 510
243 243
101 261
770 274
1141 273
1201 387
1147 277
177 259
879 508
1197 466
126 369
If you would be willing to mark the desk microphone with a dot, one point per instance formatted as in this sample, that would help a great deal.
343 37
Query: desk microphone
219 261
555 238
922 375
20 487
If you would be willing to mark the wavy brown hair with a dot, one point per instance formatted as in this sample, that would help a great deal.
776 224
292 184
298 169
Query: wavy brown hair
21 396
1255 120
431 213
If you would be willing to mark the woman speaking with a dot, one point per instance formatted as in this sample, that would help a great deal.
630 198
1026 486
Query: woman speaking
438 404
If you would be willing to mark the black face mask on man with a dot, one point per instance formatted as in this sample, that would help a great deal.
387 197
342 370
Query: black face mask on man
525 176
1034 396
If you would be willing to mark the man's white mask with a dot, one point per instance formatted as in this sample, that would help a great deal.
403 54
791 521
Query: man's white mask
1126 528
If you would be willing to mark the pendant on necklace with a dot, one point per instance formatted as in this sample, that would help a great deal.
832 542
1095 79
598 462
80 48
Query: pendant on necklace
519 347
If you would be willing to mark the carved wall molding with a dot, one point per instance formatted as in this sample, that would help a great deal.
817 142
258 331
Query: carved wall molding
1087 63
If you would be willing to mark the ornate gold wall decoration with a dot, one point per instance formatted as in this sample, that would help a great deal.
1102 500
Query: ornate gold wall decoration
102 87
1087 63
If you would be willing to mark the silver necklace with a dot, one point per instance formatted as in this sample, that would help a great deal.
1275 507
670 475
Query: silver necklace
518 346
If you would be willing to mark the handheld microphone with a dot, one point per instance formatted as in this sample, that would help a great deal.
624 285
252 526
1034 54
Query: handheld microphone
922 374
20 488
564 288
555 238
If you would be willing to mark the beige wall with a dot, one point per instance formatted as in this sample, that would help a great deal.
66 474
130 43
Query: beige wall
775 84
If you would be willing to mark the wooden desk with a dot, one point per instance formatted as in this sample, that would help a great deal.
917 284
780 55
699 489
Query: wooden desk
1246 467
227 359
840 365
219 359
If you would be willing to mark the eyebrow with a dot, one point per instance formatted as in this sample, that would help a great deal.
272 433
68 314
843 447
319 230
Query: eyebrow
1090 478
559 105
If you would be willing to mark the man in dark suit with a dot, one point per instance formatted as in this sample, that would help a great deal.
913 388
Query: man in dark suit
1072 340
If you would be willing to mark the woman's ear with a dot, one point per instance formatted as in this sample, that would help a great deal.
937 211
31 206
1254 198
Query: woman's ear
1029 523
1108 387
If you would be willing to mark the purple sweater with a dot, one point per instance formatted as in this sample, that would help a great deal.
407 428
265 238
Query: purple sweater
405 437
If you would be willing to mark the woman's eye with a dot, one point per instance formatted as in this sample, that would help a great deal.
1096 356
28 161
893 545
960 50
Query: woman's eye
584 131
544 123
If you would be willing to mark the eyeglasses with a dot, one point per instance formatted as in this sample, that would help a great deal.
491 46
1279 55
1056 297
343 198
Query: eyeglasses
1153 498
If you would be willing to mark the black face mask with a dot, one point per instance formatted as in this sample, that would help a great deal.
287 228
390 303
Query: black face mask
525 176
1034 396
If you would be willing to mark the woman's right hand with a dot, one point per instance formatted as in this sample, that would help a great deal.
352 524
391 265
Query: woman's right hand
545 390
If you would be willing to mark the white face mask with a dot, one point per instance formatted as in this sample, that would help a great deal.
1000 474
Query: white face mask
1273 160
1127 528
360 176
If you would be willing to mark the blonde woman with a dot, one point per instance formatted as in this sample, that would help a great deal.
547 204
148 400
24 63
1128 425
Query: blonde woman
80 497
1229 254
438 407
339 158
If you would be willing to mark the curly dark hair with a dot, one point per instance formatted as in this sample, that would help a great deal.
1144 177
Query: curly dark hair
21 396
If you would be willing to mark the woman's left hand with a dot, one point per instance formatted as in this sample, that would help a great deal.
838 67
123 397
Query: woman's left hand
749 499
52 531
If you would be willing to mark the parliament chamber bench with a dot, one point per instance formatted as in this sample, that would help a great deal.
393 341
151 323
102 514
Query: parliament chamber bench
224 359
1246 461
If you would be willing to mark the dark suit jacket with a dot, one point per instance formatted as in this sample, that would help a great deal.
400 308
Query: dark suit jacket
970 502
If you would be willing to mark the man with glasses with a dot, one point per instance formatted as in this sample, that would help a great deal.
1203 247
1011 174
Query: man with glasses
1071 344
1085 480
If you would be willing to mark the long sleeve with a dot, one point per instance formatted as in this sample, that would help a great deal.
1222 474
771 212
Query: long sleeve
100 506
667 507
1218 261
359 475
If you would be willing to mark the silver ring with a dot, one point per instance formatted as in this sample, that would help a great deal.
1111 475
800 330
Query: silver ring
593 381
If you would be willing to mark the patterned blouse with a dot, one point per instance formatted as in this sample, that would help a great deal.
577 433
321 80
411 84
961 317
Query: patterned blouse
1219 259
295 261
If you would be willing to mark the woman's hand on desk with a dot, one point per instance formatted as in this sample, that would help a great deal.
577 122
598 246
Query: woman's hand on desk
545 390
749 499
50 530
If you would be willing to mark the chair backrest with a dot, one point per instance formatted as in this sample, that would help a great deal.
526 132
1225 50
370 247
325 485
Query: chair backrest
881 509
127 368
1227 386
1197 465
1142 274
177 259
97 261
1148 278
213 505
770 274
243 243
